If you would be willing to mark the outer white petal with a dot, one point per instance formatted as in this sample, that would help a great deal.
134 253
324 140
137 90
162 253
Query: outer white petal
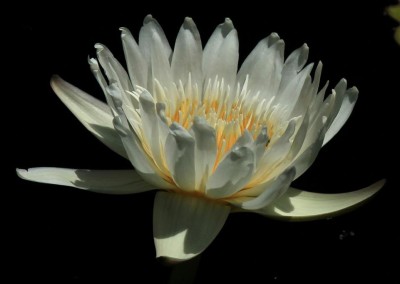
143 164
267 192
156 50
151 28
92 113
101 181
289 93
137 65
304 160
232 173
263 67
184 226
154 129
221 54
179 154
298 205
345 110
205 150
187 56
271 159
113 69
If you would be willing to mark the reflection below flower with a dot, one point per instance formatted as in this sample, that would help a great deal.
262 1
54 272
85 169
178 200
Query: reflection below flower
212 139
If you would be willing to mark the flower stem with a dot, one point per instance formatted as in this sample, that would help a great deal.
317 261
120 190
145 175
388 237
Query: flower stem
185 272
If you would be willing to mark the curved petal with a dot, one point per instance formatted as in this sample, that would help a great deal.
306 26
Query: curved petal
345 110
221 54
156 50
263 67
205 150
179 154
137 65
113 69
150 29
92 113
184 226
143 164
232 173
298 205
187 56
155 131
101 181
262 195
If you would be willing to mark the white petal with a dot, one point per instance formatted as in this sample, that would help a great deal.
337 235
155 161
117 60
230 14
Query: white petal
298 205
92 113
289 93
187 56
221 54
205 150
304 160
340 91
143 164
295 62
101 181
263 67
137 65
345 110
184 226
232 173
113 69
267 192
151 28
95 68
273 156
156 50
154 129
179 154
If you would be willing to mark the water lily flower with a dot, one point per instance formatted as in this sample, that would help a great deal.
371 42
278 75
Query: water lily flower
211 139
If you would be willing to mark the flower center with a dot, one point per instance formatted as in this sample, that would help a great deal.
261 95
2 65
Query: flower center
229 111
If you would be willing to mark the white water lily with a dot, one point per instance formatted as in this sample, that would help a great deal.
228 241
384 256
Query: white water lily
212 139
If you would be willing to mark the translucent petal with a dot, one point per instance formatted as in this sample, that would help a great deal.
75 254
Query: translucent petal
266 192
92 113
345 110
137 65
179 153
298 205
232 173
187 56
184 226
263 67
221 54
100 181
143 164
205 150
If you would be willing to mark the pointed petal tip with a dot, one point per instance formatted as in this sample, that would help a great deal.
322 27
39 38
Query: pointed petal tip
301 205
99 47
188 24
21 173
227 27
124 31
147 19
274 34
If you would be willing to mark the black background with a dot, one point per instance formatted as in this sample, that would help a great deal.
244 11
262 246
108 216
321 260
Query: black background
61 234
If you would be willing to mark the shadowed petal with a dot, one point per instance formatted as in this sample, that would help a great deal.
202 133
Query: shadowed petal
298 205
93 114
345 110
100 181
184 226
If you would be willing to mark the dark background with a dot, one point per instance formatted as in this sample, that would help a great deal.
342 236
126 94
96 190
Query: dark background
61 234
